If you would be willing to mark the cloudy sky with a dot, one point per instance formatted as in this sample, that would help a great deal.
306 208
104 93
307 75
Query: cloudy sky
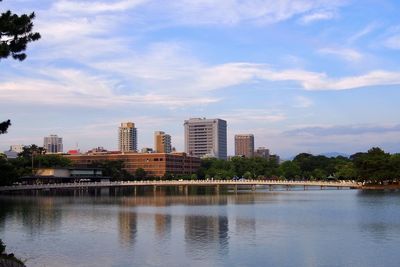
302 76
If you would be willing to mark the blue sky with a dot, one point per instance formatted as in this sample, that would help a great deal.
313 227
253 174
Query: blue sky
302 76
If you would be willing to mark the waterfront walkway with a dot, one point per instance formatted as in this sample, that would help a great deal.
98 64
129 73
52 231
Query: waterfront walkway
186 183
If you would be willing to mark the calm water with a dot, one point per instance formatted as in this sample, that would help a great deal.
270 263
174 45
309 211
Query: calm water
116 228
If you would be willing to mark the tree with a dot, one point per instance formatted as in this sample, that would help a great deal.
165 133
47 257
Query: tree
248 175
140 174
319 174
114 169
373 165
395 165
28 151
15 34
53 160
4 126
345 170
8 173
290 169
2 247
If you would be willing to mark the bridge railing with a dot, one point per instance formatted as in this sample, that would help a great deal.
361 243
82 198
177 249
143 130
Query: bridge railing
184 182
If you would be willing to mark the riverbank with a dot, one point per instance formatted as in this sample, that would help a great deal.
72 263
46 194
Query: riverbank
381 187
10 261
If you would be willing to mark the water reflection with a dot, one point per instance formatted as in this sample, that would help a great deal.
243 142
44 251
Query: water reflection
35 214
205 235
377 217
174 227
162 225
127 228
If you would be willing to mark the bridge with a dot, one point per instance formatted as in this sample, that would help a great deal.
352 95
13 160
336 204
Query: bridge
186 183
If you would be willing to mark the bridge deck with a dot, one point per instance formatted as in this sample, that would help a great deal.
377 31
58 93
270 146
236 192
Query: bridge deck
340 184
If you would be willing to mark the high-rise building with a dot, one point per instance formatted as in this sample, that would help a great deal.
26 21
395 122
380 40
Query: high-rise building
262 152
205 137
53 144
244 145
127 137
162 142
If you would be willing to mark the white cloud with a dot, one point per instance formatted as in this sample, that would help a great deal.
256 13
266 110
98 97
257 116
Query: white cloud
253 116
374 78
303 102
363 32
393 42
96 6
237 73
61 30
317 16
344 53
231 12
76 88
226 75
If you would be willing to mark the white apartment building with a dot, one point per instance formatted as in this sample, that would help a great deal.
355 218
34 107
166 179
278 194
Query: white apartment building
127 137
206 137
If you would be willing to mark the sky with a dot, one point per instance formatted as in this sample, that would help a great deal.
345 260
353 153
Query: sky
310 76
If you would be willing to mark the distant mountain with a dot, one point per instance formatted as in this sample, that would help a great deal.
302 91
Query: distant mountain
334 154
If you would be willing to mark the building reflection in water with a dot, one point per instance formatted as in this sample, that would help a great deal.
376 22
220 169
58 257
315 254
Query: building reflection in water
246 225
205 235
162 225
127 227
208 234
36 214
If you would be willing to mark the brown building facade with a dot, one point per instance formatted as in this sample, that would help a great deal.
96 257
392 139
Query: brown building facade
155 164
162 142
244 145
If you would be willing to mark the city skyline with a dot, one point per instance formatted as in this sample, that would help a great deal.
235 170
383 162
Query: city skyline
302 76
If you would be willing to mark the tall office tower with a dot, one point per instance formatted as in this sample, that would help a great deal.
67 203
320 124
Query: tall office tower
244 145
262 152
127 138
53 144
205 137
162 142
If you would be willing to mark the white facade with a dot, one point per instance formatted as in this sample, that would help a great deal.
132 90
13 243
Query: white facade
206 137
17 148
127 137
53 144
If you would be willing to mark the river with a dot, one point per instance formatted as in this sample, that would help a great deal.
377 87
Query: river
170 227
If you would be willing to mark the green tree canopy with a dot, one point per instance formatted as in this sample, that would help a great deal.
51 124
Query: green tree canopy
114 169
28 151
4 126
8 172
15 34
140 174
290 170
373 165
